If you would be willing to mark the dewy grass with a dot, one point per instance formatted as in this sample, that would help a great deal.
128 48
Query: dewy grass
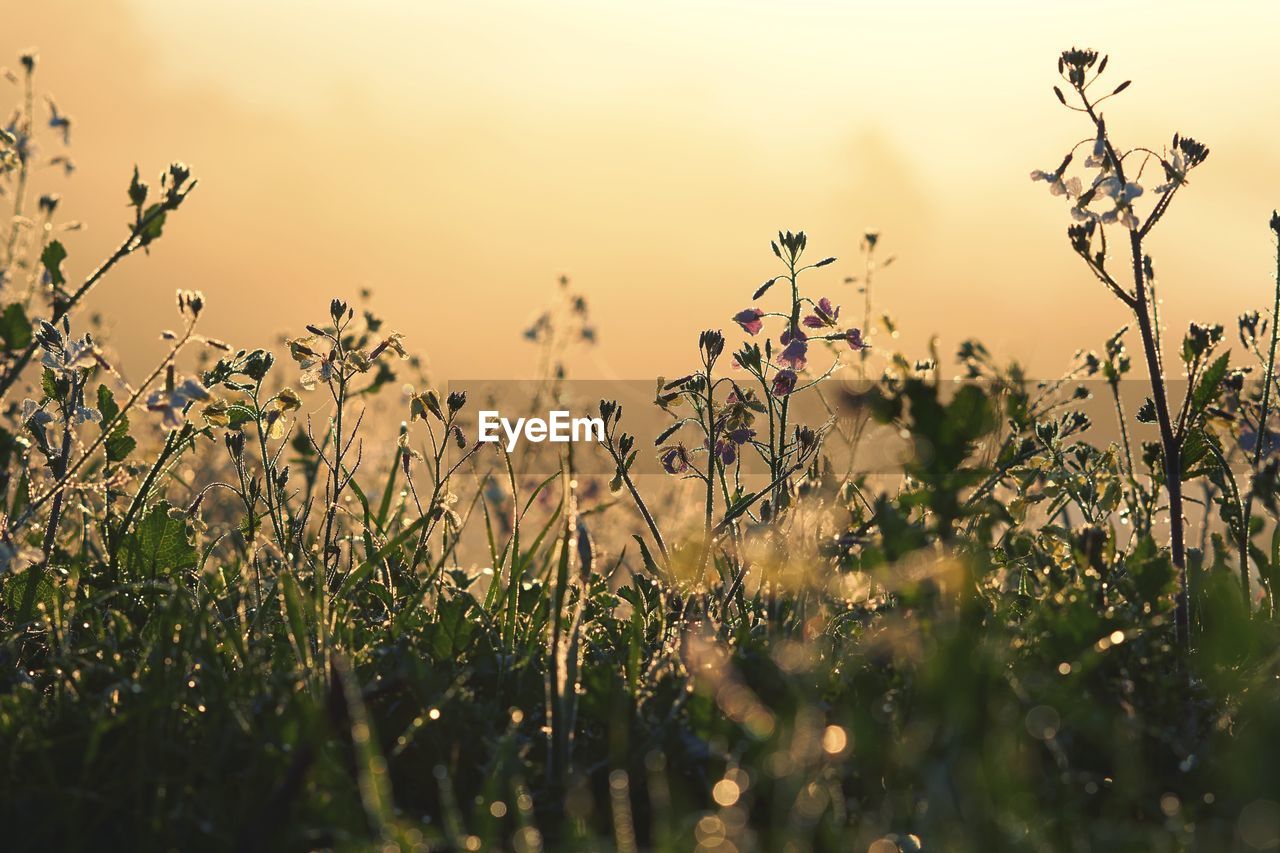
233 615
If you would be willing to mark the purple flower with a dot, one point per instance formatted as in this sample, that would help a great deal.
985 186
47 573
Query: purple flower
823 315
784 383
727 451
749 320
675 460
795 351
740 435
854 337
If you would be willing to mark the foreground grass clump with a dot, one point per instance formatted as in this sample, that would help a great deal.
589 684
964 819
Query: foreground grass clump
227 621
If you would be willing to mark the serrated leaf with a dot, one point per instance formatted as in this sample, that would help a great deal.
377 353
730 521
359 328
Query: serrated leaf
452 630
23 592
119 444
158 545
1207 387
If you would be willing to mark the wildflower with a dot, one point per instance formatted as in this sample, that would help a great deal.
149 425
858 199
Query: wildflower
274 413
675 460
34 415
726 451
217 413
66 355
854 338
172 403
406 450
1122 195
823 314
740 409
455 401
422 404
315 367
1187 154
358 361
750 320
393 342
795 350
1057 186
784 382
444 508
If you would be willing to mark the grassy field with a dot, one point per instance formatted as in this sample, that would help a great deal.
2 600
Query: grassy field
237 613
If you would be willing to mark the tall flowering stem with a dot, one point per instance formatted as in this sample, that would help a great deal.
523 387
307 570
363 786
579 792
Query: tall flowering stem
1117 189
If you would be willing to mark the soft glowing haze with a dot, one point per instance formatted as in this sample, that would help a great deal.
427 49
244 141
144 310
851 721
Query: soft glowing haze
458 157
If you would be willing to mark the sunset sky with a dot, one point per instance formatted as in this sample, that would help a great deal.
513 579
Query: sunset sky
459 157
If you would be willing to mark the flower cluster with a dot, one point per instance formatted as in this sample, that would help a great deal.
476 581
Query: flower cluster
1108 184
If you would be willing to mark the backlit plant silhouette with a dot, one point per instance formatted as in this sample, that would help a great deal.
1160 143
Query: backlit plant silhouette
1108 197
285 599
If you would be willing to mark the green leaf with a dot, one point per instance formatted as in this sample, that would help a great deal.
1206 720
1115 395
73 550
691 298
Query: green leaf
119 444
154 217
452 630
23 592
15 328
52 257
1207 388
296 610
158 545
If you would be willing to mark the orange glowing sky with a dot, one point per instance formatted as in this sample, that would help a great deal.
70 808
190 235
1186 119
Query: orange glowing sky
459 157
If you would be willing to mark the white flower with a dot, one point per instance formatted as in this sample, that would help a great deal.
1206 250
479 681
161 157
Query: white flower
33 413
172 402
1175 170
72 356
1123 196
1057 186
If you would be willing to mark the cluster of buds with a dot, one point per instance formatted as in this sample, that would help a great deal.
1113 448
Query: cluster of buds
190 303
